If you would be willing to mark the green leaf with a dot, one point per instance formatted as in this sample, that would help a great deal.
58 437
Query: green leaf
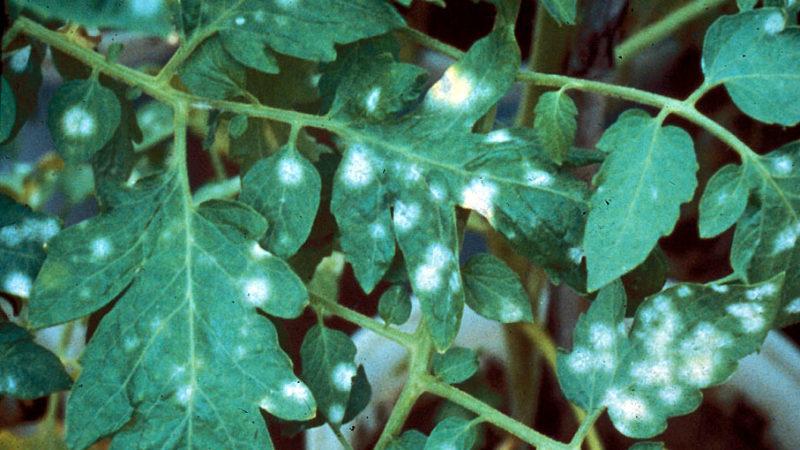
211 72
684 339
329 370
187 283
409 440
360 395
746 5
8 110
82 118
555 123
452 433
455 365
23 234
28 370
494 291
562 11
723 200
22 70
648 445
147 16
757 57
649 172
766 237
646 279
284 188
394 305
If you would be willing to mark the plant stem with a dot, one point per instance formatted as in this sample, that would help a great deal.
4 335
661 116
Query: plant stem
585 427
653 33
342 440
490 414
414 387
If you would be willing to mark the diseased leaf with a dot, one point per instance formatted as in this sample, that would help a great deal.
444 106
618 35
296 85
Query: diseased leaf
455 365
147 16
452 432
494 291
746 5
329 370
757 57
555 123
23 72
284 188
188 283
82 118
8 110
23 234
394 305
649 172
723 200
684 339
360 395
28 370
562 11
211 72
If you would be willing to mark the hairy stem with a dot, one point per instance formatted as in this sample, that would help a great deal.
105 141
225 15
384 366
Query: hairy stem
656 32
340 437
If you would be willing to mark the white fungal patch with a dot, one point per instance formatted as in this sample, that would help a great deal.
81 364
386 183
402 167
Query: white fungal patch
178 371
77 122
428 276
653 192
130 343
342 376
705 339
437 192
684 291
258 253
605 361
783 164
510 313
454 90
793 307
11 383
774 23
498 137
377 231
580 360
240 20
653 372
698 370
19 60
201 105
358 170
372 99
290 171
670 395
757 293
601 336
405 215
256 291
786 239
750 315
30 230
184 394
538 178
336 413
413 173
240 352
101 248
479 195
296 391
720 288
17 283
629 407
455 282
575 255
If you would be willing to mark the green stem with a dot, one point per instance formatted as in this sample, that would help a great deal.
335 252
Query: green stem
11 34
342 440
653 33
216 164
490 414
586 425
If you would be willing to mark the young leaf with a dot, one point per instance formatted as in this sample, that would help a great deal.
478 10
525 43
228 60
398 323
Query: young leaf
211 72
188 283
452 433
562 11
757 57
82 118
394 305
150 16
723 200
649 172
360 395
455 365
28 370
329 369
23 234
8 110
684 339
284 188
555 123
494 291
409 440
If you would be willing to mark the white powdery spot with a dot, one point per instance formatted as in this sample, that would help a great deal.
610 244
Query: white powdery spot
606 361
145 8
101 248
427 278
601 336
240 20
705 339
437 192
630 408
290 171
575 255
342 376
377 231
793 307
17 283
581 360
296 391
10 235
750 315
455 282
256 291
498 137
405 215
698 370
670 395
240 352
11 384
757 293
454 90
653 372
684 291
372 99
19 60
653 192
184 394
30 230
130 343
537 177
479 196
201 105
782 164
775 23
413 173
358 171
258 253
719 288
178 371
336 413
786 239
78 122
510 313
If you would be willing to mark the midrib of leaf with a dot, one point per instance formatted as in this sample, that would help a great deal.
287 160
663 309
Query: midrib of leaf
769 178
